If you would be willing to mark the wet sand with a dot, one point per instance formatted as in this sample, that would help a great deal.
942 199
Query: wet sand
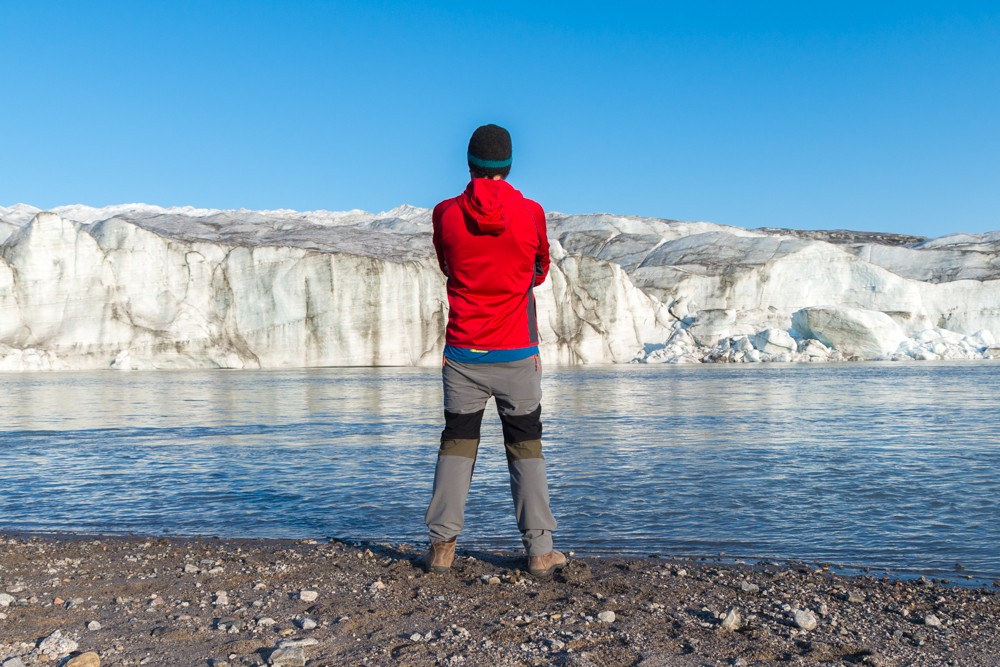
88 601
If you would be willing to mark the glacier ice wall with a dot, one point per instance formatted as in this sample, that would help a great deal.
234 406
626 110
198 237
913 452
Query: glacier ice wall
138 286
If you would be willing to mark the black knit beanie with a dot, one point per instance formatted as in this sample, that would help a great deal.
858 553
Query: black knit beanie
490 151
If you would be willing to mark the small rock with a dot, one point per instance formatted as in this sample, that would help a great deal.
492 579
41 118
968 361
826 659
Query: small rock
308 596
55 644
493 581
306 623
747 587
266 622
298 643
12 662
288 657
416 637
7 600
606 617
732 621
932 621
93 626
805 619
221 599
376 587
89 659
230 624
191 569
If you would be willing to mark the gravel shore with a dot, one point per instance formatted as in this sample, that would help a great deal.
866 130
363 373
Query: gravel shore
87 602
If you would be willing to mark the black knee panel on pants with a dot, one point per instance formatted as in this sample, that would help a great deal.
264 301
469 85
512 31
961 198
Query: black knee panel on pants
519 428
462 426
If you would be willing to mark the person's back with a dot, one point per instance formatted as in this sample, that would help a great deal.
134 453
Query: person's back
492 245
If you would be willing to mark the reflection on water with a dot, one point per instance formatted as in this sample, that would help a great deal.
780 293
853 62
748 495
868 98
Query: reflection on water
885 465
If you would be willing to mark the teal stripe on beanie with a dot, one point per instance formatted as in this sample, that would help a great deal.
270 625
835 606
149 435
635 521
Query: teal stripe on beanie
489 164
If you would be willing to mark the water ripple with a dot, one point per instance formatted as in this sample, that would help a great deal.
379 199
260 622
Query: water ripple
882 465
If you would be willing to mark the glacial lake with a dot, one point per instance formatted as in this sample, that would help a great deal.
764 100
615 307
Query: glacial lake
888 466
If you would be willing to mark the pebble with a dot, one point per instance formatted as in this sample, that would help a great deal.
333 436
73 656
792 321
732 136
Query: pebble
12 662
191 569
416 637
376 587
732 621
288 657
221 598
266 622
932 620
555 644
805 619
6 600
606 617
747 587
89 659
308 596
94 625
306 623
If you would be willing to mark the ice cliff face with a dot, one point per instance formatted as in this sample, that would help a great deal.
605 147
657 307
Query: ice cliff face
138 286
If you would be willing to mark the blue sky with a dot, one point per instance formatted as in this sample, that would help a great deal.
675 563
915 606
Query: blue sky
881 116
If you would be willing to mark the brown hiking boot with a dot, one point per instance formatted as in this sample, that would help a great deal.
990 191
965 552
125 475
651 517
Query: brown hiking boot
544 566
439 556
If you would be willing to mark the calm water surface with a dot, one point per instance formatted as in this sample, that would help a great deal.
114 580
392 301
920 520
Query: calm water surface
890 466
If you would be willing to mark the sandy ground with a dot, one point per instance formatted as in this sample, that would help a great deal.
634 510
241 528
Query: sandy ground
85 601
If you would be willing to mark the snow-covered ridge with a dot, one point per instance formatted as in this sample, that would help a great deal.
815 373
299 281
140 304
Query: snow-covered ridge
140 286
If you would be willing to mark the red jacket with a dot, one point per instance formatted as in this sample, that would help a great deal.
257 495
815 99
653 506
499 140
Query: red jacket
492 246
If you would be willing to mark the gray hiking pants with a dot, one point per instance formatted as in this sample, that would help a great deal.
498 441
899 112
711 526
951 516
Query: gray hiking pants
517 388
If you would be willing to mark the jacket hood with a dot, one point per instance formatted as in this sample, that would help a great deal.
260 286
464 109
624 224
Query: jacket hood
485 201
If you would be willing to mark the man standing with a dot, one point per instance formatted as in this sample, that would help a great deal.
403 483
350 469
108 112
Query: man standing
492 246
